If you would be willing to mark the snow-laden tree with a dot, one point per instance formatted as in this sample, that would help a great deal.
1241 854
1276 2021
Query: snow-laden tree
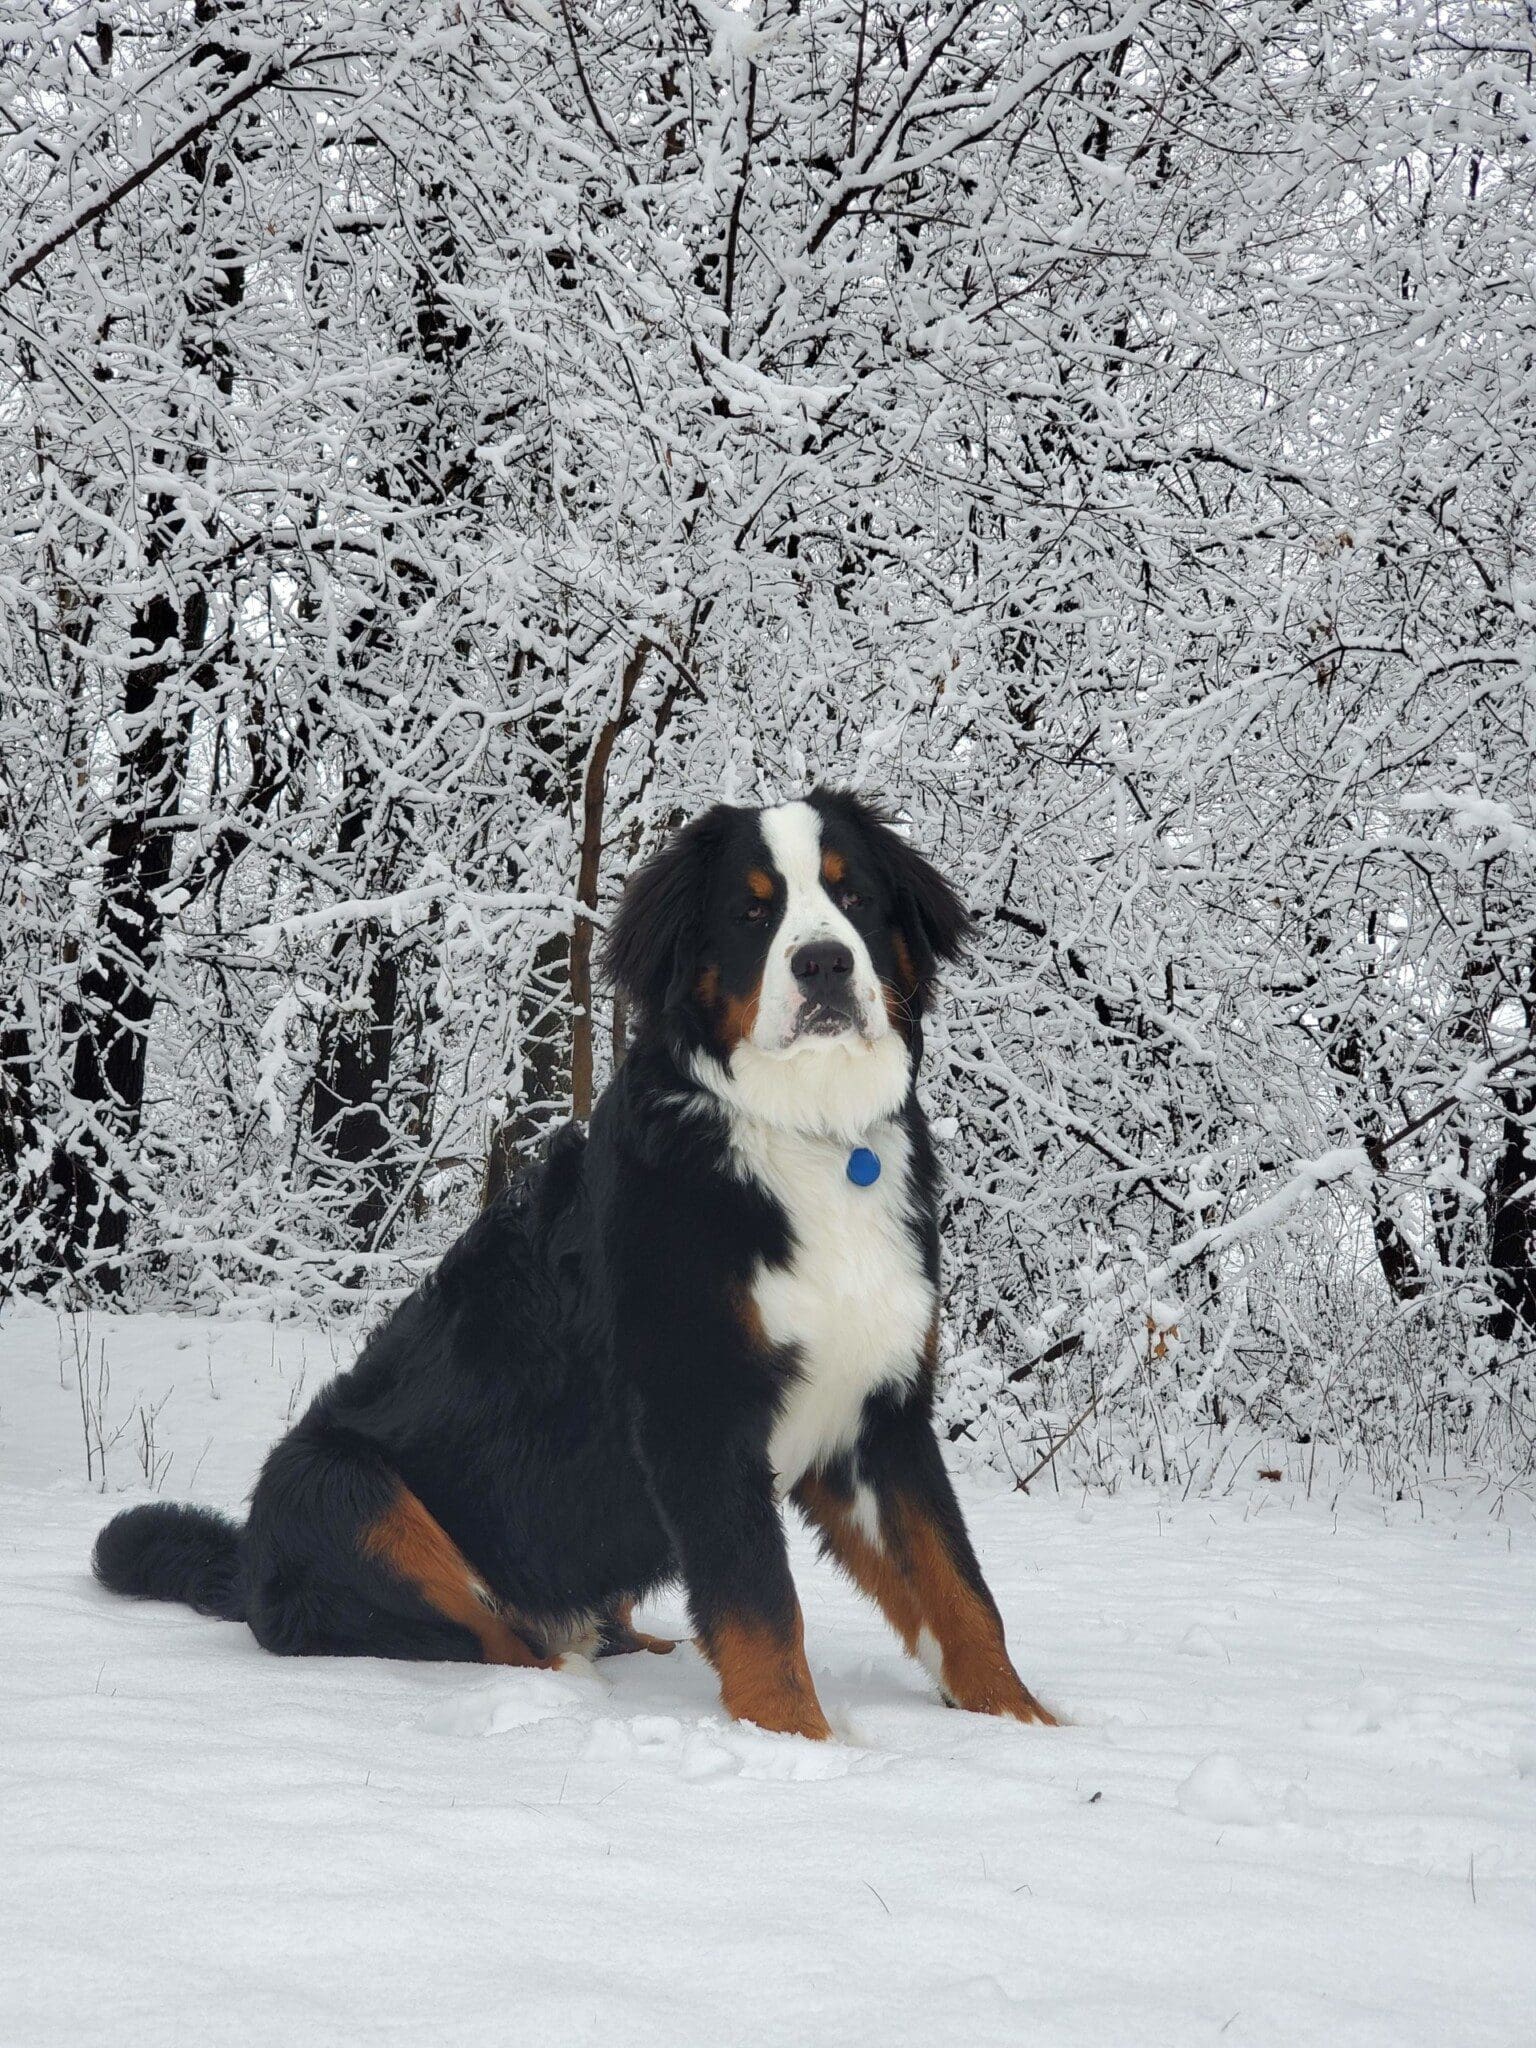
447 444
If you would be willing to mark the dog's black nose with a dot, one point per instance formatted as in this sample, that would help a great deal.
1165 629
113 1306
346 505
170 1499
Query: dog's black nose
822 967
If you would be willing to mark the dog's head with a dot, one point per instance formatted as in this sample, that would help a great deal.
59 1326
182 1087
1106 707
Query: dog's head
792 951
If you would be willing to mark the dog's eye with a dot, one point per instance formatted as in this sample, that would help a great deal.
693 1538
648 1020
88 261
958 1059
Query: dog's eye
849 899
755 912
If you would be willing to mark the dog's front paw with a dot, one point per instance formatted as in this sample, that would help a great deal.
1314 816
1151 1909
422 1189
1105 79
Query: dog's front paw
997 1691
799 1717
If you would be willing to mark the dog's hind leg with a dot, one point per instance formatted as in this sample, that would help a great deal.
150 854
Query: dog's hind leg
617 1635
343 1560
408 1543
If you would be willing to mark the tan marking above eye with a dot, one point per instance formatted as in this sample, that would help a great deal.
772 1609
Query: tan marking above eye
760 882
833 866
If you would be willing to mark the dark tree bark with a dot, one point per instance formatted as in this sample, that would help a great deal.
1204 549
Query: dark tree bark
1512 1216
359 1063
18 1109
348 1110
110 1020
544 1101
544 1006
1512 1187
594 792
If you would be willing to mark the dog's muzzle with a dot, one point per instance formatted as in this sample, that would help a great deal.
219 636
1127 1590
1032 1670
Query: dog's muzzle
823 975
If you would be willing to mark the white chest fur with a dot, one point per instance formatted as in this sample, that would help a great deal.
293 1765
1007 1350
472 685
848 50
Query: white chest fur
852 1299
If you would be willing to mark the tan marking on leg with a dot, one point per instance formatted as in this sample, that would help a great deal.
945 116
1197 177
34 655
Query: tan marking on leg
915 1581
764 1676
978 1673
419 1550
874 1568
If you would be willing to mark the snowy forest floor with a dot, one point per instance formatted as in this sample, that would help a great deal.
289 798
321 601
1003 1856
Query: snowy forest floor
1296 1801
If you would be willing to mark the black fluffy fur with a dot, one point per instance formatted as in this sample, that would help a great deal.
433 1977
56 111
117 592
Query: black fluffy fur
174 1553
570 1394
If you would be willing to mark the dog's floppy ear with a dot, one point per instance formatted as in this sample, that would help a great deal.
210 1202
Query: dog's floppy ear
926 903
929 915
653 942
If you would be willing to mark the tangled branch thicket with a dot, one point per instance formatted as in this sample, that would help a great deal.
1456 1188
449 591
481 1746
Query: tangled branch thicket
444 444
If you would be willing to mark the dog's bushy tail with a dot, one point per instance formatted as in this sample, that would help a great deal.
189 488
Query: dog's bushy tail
163 1552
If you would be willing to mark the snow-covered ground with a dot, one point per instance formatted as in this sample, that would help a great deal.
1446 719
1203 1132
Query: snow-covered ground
1296 1802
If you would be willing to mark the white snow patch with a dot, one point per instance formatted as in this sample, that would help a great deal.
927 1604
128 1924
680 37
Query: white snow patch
1199 1642
205 1843
716 1748
1218 1788
512 1701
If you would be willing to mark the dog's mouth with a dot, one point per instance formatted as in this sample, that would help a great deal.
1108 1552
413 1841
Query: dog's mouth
819 1023
825 1020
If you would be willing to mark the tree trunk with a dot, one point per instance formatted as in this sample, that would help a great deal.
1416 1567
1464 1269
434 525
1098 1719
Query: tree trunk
594 791
115 1006
544 1023
1512 1216
348 1116
110 1020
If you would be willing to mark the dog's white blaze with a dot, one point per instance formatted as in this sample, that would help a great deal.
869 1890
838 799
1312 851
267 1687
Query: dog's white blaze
793 836
853 1299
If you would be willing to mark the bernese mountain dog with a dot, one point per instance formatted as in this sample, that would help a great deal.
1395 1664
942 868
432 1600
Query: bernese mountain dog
725 1296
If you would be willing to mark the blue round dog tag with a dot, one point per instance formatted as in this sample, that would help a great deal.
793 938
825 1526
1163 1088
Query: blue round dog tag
863 1166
